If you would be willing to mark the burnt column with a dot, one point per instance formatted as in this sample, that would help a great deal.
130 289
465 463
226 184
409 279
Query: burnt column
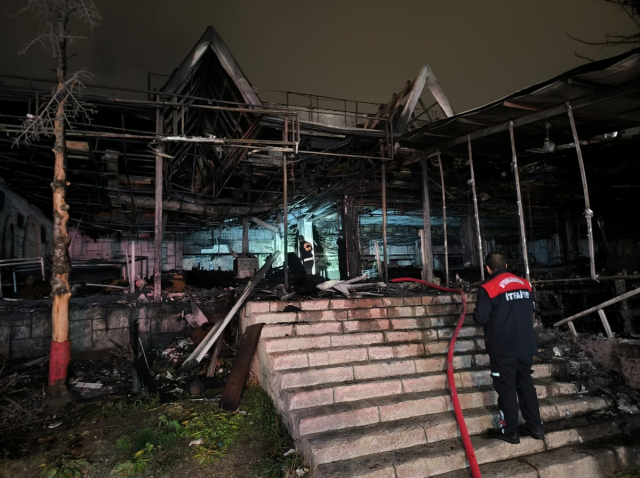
158 224
468 242
352 243
567 238
427 243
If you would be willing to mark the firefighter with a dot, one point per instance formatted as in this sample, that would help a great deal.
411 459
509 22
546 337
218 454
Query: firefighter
306 255
505 309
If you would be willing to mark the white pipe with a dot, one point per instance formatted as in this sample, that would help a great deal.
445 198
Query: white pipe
132 279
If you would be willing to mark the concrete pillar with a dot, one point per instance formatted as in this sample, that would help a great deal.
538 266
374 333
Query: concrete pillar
352 240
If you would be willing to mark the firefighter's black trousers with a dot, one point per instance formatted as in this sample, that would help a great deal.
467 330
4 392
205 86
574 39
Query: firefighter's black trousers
512 380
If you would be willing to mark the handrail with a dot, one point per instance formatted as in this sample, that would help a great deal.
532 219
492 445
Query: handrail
20 264
598 307
464 433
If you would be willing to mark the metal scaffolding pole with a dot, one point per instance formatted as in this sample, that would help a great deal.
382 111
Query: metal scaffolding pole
444 221
157 264
588 213
285 208
427 243
523 237
472 182
384 222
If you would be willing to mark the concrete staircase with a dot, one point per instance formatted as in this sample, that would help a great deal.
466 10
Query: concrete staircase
361 385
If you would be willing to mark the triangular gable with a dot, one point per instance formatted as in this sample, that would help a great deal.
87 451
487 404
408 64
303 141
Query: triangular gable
212 40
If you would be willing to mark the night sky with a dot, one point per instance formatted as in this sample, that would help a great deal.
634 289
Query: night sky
480 50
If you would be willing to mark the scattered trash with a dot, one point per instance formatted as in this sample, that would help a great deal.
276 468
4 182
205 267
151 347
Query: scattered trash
55 424
197 442
290 452
586 366
624 404
630 409
573 367
93 386
346 286
164 364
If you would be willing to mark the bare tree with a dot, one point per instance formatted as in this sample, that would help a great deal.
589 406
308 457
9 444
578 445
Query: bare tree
631 8
53 118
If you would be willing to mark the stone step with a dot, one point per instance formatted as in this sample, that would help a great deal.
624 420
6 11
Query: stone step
260 307
396 407
286 344
383 351
585 461
302 329
328 385
418 457
343 309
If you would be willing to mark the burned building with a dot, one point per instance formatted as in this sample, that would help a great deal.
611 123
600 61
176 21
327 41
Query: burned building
205 179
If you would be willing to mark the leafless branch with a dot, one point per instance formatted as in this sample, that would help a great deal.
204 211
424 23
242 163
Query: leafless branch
575 52
71 95
631 8
53 16
66 102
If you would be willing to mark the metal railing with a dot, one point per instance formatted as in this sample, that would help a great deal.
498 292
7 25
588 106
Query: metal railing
598 309
19 265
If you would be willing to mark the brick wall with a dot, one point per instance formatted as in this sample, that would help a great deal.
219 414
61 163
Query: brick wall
112 248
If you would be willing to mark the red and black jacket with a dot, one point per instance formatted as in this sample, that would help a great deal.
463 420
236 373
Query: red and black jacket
505 309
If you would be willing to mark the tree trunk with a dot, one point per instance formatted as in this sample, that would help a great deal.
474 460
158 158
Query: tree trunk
60 291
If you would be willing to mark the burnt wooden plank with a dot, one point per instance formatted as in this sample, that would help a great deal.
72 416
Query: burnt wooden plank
233 389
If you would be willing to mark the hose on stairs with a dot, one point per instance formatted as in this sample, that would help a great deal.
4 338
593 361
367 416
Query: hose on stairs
464 433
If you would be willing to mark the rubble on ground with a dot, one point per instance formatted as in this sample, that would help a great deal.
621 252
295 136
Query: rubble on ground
593 375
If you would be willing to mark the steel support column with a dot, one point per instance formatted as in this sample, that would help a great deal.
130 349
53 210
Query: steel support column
472 182
427 243
385 250
157 263
523 237
444 222
285 219
588 213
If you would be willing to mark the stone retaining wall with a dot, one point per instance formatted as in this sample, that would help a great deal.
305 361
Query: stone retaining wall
26 332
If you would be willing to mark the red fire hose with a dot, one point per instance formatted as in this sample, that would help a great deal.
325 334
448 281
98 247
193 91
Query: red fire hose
466 440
